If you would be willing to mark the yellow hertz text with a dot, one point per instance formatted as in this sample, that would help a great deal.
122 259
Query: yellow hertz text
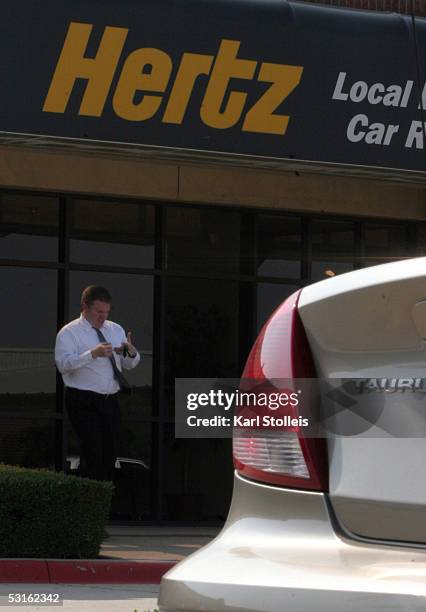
146 74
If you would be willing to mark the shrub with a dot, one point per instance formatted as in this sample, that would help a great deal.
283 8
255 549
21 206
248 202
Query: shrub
50 515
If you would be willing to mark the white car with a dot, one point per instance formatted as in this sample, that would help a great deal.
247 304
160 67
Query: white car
332 524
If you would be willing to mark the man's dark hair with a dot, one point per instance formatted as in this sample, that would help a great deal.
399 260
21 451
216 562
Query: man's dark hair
94 292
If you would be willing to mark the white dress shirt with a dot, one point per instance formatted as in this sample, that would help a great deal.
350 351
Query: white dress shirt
74 360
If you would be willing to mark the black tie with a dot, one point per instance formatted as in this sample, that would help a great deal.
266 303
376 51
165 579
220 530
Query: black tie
124 385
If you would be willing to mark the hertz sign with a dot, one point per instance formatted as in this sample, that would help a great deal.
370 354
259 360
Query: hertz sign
264 80
147 71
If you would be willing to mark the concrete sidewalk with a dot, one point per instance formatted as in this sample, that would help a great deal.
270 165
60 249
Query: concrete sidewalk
167 544
130 555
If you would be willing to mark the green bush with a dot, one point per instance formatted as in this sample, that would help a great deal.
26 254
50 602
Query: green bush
50 515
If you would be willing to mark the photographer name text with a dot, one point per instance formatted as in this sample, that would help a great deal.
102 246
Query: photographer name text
241 421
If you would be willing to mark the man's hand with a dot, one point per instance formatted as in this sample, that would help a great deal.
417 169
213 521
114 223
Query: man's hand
126 348
104 349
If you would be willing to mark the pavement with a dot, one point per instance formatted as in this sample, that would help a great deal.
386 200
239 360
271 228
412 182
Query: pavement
130 555
166 544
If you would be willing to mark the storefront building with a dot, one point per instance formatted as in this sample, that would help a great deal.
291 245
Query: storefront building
157 179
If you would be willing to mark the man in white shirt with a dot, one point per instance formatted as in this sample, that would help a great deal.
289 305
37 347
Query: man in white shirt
90 353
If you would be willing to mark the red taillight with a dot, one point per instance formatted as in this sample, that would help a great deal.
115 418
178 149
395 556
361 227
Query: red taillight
280 455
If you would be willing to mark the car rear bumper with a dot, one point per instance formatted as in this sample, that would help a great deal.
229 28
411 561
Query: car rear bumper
279 551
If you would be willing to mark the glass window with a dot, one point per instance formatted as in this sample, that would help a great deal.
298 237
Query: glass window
333 248
269 297
248 262
28 227
279 246
112 233
198 478
133 477
421 240
203 240
202 331
27 442
383 243
133 474
28 314
132 308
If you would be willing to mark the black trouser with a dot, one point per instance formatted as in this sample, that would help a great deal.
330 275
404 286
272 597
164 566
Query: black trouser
96 422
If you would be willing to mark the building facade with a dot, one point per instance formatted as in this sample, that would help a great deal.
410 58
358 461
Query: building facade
197 244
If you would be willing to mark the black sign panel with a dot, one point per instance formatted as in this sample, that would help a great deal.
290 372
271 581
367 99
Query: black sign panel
262 79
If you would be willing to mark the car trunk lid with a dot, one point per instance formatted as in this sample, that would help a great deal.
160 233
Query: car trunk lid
370 325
